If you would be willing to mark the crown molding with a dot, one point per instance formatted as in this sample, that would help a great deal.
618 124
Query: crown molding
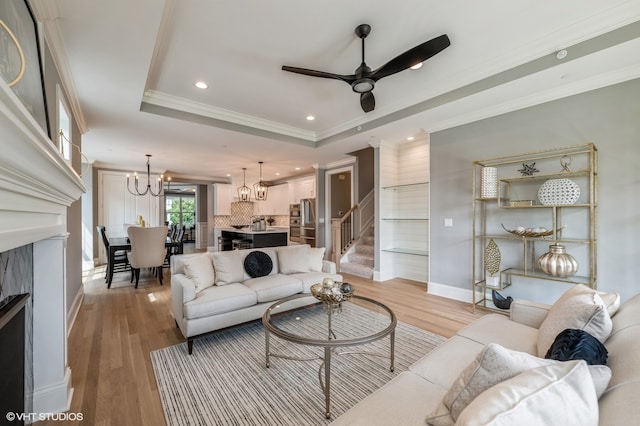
185 105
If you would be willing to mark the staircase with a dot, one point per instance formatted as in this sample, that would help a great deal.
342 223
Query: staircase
360 258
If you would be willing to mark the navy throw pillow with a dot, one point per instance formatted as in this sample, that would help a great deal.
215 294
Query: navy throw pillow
258 264
572 344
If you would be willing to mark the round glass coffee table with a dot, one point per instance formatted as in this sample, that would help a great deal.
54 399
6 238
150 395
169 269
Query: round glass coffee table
304 320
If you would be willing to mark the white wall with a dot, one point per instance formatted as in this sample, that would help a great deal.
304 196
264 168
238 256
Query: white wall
607 117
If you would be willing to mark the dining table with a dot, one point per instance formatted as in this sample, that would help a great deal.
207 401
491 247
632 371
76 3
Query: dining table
122 243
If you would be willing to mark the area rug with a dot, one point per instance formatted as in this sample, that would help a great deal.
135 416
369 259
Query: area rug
225 381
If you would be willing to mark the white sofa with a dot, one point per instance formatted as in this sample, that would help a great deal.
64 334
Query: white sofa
422 392
211 291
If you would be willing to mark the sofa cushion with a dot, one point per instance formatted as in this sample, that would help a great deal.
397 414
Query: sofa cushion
496 328
274 287
219 299
579 308
316 256
258 264
310 278
228 267
556 394
200 270
293 259
405 400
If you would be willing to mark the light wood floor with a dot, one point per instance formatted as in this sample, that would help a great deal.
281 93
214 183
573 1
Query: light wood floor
116 329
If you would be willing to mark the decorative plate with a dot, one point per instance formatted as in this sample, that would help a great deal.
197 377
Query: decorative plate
559 192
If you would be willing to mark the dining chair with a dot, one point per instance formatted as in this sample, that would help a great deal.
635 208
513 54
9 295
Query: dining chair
120 261
147 249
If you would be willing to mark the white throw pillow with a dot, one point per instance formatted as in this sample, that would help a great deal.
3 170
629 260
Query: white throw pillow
228 266
493 365
200 270
579 309
559 394
293 259
316 255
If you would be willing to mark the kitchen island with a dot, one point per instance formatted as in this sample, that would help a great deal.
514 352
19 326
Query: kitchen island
246 238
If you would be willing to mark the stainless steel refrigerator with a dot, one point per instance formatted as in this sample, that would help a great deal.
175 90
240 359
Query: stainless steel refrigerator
308 221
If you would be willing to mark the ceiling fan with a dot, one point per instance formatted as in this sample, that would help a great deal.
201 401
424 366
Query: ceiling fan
364 79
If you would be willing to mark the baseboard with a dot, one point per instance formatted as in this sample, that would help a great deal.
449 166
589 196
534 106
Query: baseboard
55 398
72 313
450 292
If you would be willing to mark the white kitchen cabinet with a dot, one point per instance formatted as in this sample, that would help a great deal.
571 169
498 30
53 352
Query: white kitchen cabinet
223 196
277 202
117 206
302 188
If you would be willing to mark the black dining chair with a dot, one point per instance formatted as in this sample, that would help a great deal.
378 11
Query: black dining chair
120 261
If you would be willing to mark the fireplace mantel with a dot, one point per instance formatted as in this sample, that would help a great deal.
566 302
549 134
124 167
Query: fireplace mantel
37 186
36 183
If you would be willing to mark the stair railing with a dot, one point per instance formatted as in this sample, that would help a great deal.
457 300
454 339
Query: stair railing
347 229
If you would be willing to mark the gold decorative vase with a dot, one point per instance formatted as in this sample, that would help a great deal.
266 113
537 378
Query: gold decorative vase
557 262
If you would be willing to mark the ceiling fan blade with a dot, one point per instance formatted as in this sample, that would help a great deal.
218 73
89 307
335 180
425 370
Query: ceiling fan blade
411 57
367 101
313 73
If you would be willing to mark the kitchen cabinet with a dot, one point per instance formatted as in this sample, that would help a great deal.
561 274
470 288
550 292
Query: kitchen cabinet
277 202
117 206
223 196
255 239
302 188
537 200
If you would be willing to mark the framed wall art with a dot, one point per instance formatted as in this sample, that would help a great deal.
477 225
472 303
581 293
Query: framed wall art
20 58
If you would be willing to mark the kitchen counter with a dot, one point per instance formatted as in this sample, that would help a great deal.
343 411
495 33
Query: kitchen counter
272 237
247 230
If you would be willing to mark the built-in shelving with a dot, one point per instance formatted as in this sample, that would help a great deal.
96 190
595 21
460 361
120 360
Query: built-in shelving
404 211
516 204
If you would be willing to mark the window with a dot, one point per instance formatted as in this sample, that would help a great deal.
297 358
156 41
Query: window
64 128
180 210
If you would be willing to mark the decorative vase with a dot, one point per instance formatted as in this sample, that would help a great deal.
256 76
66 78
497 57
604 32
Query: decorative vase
489 182
557 262
559 192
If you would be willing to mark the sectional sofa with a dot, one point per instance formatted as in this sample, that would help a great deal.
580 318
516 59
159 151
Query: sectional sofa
214 290
493 372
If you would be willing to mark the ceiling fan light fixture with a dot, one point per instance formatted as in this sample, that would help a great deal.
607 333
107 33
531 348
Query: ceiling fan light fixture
363 85
416 66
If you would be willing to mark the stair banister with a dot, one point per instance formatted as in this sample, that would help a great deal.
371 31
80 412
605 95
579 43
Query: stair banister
347 229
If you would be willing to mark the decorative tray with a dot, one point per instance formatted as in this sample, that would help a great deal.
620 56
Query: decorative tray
335 293
521 231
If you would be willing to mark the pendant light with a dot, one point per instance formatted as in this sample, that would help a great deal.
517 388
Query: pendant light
244 192
260 188
148 190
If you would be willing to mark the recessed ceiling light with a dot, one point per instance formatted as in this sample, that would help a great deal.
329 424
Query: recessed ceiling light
410 138
277 173
201 85
297 168
310 118
228 174
416 66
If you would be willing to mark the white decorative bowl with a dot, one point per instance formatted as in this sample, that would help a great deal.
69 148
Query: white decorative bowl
559 192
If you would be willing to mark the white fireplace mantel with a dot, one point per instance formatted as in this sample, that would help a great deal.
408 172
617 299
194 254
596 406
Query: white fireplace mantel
36 188
36 183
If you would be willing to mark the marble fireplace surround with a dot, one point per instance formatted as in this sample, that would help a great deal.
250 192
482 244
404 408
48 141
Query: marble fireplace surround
36 188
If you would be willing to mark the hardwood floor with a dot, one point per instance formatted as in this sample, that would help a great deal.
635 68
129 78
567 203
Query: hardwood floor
116 329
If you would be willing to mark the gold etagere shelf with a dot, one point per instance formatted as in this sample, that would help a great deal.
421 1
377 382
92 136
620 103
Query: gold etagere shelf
516 199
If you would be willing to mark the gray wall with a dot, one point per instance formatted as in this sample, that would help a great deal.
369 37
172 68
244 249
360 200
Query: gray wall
608 117
74 212
340 194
